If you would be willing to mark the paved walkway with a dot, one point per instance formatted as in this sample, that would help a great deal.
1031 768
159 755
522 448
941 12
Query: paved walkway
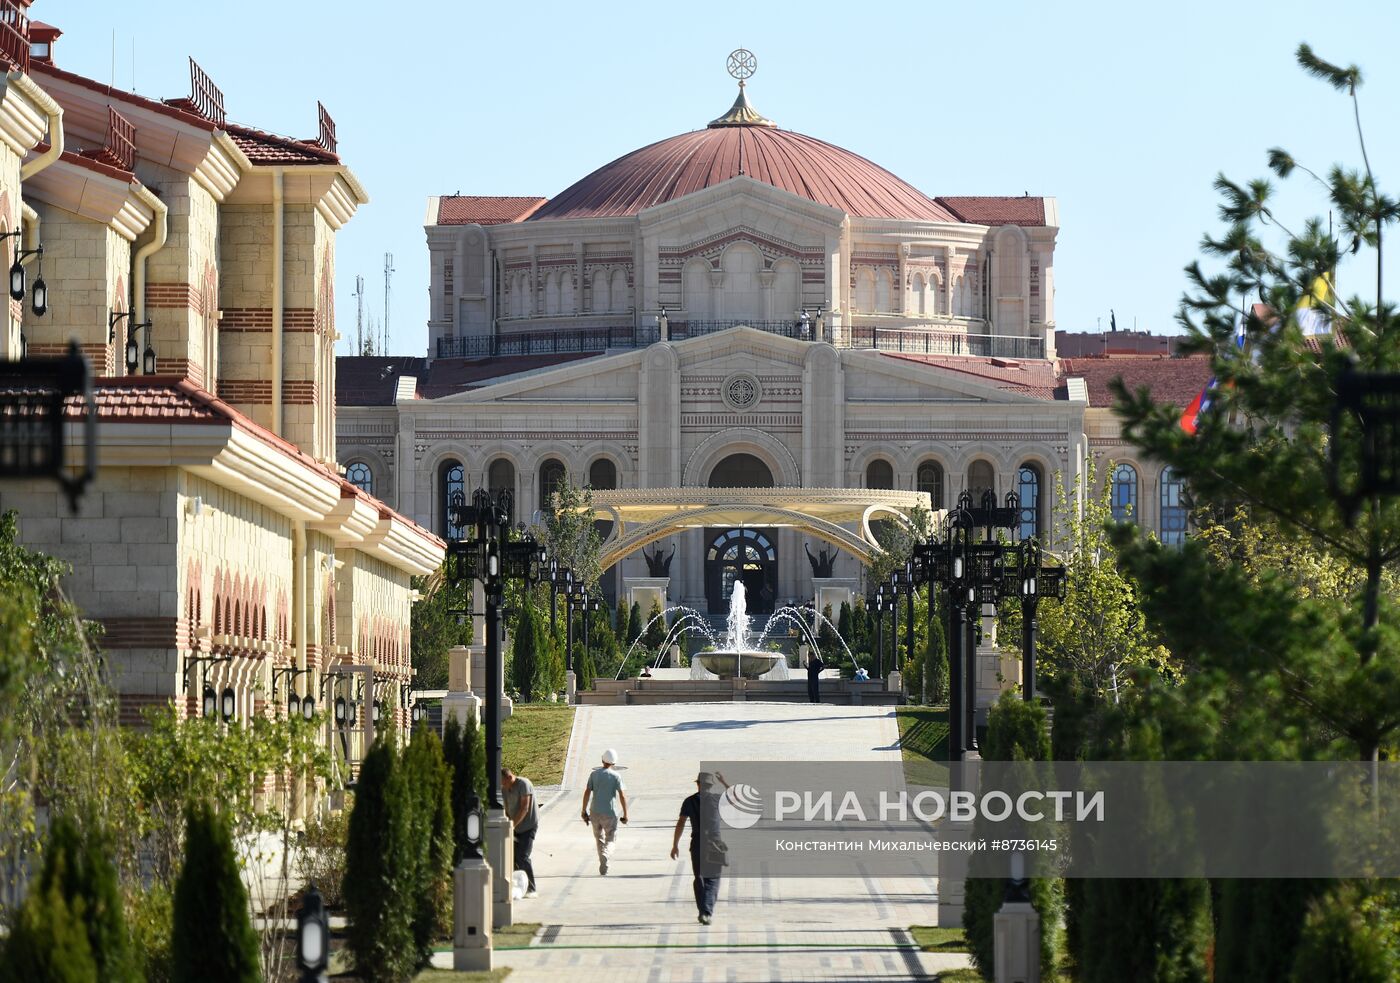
638 923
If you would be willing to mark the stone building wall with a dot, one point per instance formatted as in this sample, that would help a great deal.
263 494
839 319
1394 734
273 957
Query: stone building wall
179 288
92 261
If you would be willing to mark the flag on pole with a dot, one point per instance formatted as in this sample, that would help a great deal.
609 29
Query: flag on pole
1315 308
1191 416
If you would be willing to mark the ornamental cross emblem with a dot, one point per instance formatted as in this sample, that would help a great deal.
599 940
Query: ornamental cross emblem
742 64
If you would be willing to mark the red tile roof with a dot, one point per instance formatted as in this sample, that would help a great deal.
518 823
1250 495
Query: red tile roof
485 209
1029 377
269 148
260 147
1176 381
803 165
996 209
174 399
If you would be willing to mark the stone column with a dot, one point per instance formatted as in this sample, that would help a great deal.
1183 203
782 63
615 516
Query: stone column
471 916
500 847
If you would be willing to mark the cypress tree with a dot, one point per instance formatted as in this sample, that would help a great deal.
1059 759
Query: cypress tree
1016 731
87 873
378 871
634 623
527 659
936 656
429 782
468 765
655 628
826 635
213 939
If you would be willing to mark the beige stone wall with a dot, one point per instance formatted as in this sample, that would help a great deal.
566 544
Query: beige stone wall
181 285
88 265
9 220
308 321
123 547
245 295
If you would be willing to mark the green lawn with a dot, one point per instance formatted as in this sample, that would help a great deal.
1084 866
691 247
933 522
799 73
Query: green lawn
931 938
923 742
452 976
958 976
535 741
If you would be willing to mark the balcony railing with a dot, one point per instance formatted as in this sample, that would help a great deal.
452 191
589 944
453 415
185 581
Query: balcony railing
597 339
921 342
14 35
547 342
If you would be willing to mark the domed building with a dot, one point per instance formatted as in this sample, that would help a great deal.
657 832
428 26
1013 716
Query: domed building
742 306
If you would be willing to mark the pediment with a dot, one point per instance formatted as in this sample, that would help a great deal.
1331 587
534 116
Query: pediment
610 379
871 377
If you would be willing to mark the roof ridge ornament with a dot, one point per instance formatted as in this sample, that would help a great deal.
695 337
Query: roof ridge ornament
742 64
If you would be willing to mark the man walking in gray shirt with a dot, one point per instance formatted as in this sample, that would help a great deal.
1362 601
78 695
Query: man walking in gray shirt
605 790
525 814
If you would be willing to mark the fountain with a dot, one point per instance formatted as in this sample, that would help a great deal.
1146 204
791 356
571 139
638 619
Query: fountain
735 658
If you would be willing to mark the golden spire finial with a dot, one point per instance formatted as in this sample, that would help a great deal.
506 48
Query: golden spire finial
742 65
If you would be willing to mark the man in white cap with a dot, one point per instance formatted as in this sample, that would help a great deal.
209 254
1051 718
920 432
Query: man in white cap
605 790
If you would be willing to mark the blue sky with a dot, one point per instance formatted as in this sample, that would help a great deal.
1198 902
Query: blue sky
1124 112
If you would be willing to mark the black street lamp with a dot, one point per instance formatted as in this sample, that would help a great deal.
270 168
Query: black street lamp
473 828
296 706
879 632
228 703
313 937
210 701
38 400
492 557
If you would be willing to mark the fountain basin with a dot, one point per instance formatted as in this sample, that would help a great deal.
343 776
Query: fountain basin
728 664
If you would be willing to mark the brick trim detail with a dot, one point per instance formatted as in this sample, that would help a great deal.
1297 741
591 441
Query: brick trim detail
242 320
174 295
145 633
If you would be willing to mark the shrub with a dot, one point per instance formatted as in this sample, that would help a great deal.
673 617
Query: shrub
1351 935
322 859
826 636
47 942
212 936
150 917
379 871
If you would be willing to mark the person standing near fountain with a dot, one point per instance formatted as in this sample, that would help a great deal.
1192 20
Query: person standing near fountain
815 665
604 788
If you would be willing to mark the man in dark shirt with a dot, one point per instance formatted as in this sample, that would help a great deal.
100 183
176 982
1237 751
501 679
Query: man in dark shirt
707 849
525 814
815 665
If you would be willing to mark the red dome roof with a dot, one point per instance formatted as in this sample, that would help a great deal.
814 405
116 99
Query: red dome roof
803 165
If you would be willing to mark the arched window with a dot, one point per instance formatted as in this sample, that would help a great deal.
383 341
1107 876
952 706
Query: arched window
553 477
453 483
920 294
598 301
741 471
786 290
500 476
1173 509
930 480
864 299
879 474
359 475
884 291
566 294
695 280
980 478
1125 493
602 474
1028 491
551 294
617 290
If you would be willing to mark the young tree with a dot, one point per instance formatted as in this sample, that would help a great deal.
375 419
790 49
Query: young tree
635 624
1267 440
379 871
213 935
571 533
436 629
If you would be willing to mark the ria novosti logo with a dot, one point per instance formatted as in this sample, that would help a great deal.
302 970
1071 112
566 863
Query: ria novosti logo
740 806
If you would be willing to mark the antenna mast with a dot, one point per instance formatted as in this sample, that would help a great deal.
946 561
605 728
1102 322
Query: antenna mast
359 315
388 275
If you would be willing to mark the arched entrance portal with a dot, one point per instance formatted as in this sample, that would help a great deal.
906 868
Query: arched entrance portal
747 555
